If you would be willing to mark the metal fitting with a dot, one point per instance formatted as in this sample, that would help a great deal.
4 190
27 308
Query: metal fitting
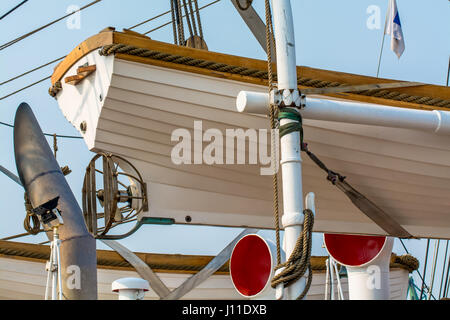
291 98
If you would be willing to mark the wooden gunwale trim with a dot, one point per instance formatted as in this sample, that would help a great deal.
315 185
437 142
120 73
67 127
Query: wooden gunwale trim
106 38
97 41
175 263
111 260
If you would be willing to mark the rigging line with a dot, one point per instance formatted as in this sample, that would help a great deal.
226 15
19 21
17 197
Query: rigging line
151 19
197 10
188 18
19 236
194 25
177 21
10 43
174 23
418 272
437 244
148 20
445 293
448 71
425 268
13 9
443 269
180 22
24 88
28 72
45 134
167 23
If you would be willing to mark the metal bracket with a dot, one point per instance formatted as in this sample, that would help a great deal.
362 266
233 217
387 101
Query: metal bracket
255 24
208 270
141 268
291 98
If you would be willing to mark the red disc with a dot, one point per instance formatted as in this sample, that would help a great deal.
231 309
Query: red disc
353 250
250 265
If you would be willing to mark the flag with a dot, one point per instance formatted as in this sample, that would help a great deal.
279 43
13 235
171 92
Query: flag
393 28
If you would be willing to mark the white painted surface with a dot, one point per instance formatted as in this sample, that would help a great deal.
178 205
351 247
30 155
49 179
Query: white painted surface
26 280
435 121
405 172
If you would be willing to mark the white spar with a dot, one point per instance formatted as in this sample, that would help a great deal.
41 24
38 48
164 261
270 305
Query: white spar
291 161
435 121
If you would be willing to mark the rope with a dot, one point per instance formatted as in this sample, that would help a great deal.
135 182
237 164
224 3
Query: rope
151 19
10 43
197 11
200 63
181 37
198 15
273 126
174 27
300 260
55 89
31 223
28 72
188 18
13 9
405 261
24 88
55 144
256 73
45 134
194 25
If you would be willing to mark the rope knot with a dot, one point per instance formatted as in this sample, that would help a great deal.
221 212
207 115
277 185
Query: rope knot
300 260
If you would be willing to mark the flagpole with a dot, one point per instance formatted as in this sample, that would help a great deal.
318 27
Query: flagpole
382 43
448 71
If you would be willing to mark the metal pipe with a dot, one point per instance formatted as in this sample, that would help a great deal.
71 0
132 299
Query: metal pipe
339 285
370 281
332 291
435 121
327 278
43 180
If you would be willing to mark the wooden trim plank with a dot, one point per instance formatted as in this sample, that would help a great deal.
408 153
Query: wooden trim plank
112 37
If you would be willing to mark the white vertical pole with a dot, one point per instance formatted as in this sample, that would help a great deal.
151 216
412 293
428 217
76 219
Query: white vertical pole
54 272
49 272
283 23
384 36
327 278
292 219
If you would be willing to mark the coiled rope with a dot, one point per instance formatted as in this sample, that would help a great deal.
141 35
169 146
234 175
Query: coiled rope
31 224
406 261
259 74
255 73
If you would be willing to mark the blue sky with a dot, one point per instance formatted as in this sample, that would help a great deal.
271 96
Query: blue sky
330 35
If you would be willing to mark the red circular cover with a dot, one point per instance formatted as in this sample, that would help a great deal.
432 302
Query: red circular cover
250 265
353 250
